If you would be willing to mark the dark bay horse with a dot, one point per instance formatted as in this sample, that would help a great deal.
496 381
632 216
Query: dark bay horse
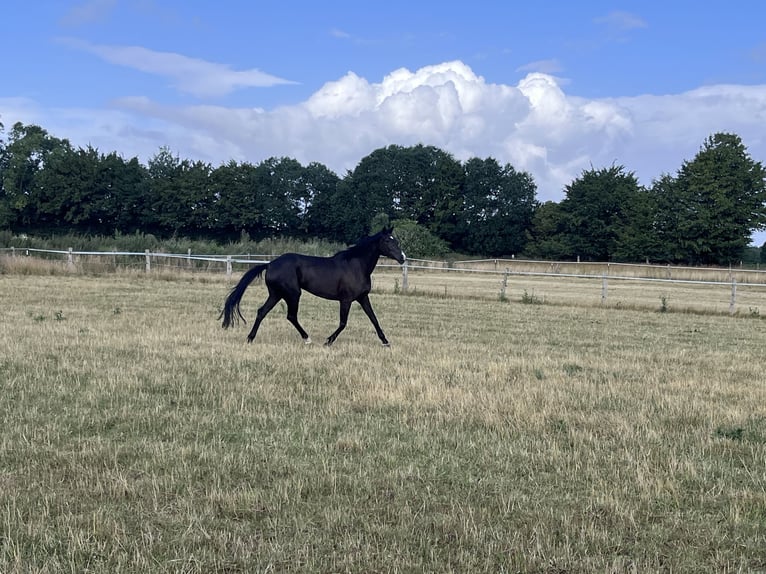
344 277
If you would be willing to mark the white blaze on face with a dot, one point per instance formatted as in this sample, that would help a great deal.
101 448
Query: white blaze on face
400 249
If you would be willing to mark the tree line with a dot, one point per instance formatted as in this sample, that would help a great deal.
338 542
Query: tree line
704 214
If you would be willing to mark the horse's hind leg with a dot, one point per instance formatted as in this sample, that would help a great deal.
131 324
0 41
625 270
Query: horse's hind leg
262 312
292 316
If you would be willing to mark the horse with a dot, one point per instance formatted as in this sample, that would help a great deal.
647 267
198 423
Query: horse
343 277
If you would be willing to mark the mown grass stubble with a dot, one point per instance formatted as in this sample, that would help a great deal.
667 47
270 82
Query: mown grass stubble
492 436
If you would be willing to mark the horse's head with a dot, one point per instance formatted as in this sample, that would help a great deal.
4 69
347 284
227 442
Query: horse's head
389 246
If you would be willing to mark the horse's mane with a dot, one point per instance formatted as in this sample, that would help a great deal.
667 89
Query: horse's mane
362 244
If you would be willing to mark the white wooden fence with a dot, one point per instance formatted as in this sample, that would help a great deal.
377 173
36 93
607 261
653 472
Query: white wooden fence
504 270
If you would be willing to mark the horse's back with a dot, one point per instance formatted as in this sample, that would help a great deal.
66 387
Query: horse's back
326 277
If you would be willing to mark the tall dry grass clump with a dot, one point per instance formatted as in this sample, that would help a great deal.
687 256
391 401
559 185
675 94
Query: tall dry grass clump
32 266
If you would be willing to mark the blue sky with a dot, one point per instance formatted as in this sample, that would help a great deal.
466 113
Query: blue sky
552 88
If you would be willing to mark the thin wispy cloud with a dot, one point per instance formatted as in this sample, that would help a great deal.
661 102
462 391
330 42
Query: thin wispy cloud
340 34
618 20
88 12
345 36
620 26
758 53
193 76
551 66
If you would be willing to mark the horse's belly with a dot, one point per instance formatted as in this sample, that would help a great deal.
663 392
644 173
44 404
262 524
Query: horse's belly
337 290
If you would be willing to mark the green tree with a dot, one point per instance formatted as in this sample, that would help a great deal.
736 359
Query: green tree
637 239
421 183
277 197
320 218
545 236
595 211
666 220
342 213
417 241
231 186
180 197
718 199
283 197
126 184
498 207
84 191
24 156
6 213
68 195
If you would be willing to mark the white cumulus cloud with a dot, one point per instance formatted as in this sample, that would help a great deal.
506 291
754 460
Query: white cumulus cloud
535 125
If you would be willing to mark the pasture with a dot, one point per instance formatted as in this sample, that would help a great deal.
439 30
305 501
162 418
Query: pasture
138 436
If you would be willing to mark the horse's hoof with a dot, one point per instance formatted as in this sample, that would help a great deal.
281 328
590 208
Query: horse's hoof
328 343
307 341
387 345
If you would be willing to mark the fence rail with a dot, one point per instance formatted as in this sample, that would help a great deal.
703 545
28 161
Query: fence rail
500 271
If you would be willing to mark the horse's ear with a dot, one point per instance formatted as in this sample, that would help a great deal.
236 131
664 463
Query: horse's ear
388 230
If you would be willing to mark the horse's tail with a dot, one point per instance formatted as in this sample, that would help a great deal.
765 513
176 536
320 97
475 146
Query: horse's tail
231 313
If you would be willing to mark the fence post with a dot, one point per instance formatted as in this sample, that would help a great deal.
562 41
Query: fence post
603 288
504 286
13 252
148 261
188 258
228 266
733 302
404 275
70 258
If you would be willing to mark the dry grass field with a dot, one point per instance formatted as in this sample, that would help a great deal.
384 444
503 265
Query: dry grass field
493 436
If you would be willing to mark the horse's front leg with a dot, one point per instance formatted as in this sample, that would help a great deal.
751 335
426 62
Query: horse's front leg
364 301
345 306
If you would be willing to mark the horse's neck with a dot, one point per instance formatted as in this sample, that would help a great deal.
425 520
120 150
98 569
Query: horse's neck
372 262
368 259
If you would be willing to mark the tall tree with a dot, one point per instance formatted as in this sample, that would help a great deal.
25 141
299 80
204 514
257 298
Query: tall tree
7 216
638 237
498 207
545 236
595 210
324 214
667 219
276 197
421 183
127 185
719 199
69 195
283 194
231 186
24 156
180 198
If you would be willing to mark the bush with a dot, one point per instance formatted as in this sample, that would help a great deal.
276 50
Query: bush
419 242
